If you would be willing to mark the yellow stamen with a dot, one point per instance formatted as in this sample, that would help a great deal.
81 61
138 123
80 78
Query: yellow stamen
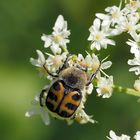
99 37
57 38
105 89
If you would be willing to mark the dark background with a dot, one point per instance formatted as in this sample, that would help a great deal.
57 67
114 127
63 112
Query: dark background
22 23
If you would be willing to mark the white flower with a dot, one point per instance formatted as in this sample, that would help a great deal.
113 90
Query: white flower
129 25
82 118
92 63
137 84
40 61
135 48
137 136
105 87
84 63
59 37
54 62
133 17
38 110
134 4
114 15
113 136
136 63
98 35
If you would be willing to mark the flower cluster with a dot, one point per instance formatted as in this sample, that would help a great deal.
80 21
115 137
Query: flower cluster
59 37
113 136
113 22
49 64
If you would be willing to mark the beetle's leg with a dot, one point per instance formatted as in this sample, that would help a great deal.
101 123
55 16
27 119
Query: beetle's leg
93 76
59 70
41 96
53 75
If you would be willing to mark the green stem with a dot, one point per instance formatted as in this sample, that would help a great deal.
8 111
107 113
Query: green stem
64 49
126 90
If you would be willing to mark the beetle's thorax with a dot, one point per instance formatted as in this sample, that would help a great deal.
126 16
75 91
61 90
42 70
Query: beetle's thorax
74 77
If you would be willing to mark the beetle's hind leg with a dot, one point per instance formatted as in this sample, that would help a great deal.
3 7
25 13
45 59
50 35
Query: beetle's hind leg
41 97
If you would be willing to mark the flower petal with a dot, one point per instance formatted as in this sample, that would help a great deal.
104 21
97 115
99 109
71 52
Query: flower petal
47 39
106 65
59 23
40 61
101 16
45 117
33 111
97 23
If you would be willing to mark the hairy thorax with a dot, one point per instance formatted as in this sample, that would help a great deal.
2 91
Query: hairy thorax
74 77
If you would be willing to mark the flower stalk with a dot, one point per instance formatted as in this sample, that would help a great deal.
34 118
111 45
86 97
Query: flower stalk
129 91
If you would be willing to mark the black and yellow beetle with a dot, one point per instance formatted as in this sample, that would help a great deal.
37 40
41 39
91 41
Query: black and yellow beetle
64 95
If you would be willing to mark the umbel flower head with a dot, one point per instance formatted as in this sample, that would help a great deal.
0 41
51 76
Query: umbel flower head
105 87
71 78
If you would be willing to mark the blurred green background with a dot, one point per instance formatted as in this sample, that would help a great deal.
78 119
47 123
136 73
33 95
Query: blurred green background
22 23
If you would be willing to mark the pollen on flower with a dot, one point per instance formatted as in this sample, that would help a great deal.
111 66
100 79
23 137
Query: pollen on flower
105 86
83 63
116 14
129 27
57 60
57 38
106 89
99 37
95 66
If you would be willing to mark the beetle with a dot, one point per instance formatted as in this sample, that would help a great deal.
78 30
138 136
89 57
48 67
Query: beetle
64 95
